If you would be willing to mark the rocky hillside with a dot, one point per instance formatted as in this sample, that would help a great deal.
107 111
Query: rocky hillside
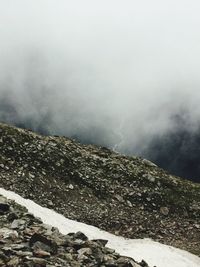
26 242
128 196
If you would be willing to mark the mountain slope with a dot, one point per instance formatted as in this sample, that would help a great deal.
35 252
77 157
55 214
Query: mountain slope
124 195
156 254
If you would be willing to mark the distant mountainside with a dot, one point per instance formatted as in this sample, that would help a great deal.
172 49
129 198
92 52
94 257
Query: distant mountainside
125 195
178 152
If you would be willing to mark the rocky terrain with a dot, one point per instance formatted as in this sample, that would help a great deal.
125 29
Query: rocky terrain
128 196
26 242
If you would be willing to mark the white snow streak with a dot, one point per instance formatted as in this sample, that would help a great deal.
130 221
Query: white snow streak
154 253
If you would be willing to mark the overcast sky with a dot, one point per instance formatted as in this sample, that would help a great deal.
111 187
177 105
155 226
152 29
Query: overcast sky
115 72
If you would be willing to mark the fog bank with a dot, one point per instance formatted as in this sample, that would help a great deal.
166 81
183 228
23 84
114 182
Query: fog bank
123 74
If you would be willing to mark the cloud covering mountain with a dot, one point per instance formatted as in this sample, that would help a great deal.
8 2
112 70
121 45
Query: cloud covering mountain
124 74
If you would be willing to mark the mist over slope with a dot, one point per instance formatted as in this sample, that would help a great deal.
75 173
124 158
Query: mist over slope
118 74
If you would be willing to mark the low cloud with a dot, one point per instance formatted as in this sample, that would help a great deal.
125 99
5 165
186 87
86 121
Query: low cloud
114 73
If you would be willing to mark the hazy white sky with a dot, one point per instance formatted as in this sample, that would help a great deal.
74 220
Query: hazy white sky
121 68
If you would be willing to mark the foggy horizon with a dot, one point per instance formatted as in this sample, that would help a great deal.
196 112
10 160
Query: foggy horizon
119 74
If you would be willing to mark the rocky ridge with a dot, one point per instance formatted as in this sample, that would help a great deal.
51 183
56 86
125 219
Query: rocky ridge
26 242
125 195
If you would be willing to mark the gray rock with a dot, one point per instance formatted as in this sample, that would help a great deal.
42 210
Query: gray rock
126 262
149 163
8 233
164 211
18 224
38 241
81 236
84 251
